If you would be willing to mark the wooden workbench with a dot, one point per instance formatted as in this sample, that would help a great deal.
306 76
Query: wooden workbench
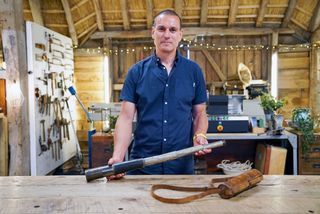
72 194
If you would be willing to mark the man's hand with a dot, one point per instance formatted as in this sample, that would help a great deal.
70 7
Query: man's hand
117 176
200 140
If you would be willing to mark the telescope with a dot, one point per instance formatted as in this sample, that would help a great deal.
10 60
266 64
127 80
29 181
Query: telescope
105 171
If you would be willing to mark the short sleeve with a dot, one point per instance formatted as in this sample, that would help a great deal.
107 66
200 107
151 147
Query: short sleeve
200 89
128 92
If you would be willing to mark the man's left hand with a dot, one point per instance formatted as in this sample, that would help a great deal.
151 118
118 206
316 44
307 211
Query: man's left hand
200 140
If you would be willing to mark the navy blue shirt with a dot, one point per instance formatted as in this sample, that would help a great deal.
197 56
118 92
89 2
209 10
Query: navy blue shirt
164 110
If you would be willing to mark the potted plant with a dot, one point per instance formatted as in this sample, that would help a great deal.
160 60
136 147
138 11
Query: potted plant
304 122
271 107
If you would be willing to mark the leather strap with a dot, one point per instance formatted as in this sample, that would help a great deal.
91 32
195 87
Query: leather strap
204 191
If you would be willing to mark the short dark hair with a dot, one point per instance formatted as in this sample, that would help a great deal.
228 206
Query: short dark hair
167 12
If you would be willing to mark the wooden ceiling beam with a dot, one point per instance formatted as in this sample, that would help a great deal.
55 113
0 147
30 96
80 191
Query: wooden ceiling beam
85 18
300 34
205 31
204 12
296 22
97 8
94 26
149 4
125 14
52 11
262 12
78 4
178 5
85 39
289 12
57 25
72 29
35 6
233 12
315 21
315 37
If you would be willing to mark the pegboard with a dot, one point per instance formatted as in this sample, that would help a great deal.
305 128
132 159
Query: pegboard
51 107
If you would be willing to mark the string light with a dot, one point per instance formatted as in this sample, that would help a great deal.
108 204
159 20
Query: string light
191 45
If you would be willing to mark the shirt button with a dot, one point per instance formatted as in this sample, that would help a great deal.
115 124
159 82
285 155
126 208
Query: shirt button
164 139
165 121
167 85
165 103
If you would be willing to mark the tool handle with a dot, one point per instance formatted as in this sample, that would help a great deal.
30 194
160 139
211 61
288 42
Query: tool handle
104 171
72 90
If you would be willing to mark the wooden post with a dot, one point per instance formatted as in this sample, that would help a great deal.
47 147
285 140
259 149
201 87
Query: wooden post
107 43
14 48
314 88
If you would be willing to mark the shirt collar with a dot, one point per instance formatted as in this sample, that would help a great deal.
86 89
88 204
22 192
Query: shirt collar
157 60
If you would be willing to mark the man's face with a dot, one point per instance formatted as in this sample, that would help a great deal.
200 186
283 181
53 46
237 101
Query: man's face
166 33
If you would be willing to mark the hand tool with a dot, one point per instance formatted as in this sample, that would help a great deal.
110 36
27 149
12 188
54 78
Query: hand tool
73 92
55 150
41 57
40 46
43 130
79 154
49 141
58 54
104 171
52 76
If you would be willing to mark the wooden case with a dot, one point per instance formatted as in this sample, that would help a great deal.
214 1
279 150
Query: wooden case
309 163
270 160
102 148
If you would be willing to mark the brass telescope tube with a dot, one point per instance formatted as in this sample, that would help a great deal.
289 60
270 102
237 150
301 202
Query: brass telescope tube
104 171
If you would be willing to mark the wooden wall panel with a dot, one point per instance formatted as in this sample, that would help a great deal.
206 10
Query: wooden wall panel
228 59
89 82
294 80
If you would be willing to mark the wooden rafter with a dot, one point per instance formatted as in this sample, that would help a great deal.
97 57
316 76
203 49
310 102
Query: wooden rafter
193 31
204 12
296 22
315 21
233 12
178 5
125 14
214 65
302 35
149 4
85 18
94 26
97 8
79 3
88 35
35 6
57 25
72 29
289 12
262 12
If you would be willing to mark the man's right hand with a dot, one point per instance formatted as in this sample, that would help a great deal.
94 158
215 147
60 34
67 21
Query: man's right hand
117 176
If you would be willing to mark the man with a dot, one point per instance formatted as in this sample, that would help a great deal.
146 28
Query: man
168 93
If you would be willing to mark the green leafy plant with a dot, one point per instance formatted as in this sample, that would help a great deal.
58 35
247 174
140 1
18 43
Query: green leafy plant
112 121
269 103
304 122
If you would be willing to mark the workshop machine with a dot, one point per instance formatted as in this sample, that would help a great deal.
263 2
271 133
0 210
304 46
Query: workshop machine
225 114
234 114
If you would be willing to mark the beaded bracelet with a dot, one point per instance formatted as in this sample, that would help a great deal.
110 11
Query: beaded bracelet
199 134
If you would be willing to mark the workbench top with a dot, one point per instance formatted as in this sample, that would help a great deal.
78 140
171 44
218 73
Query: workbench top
72 194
